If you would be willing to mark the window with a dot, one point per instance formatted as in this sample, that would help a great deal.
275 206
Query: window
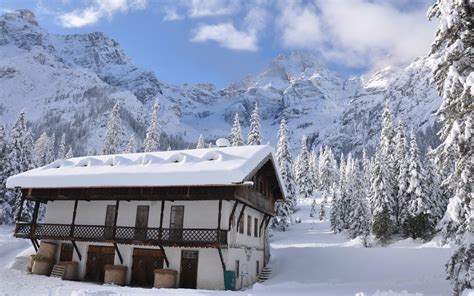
249 225
241 224
237 268
258 267
255 227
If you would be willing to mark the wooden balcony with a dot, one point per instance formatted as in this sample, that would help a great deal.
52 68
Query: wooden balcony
165 237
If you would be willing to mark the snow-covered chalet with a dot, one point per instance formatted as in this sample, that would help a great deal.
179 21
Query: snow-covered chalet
199 215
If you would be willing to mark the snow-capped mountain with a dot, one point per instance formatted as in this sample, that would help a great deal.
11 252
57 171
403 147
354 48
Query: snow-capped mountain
68 83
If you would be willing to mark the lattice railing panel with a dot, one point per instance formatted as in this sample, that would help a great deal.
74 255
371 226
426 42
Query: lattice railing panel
123 234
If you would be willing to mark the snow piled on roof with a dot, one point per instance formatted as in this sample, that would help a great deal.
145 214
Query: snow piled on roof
209 166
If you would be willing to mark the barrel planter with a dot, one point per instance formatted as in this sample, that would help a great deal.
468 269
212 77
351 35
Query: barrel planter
115 274
165 278
42 265
71 272
48 250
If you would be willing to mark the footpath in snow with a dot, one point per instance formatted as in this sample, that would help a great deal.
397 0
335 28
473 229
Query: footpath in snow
306 260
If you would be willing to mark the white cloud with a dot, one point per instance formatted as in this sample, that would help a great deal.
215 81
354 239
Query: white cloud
206 8
299 25
171 14
226 36
97 10
357 32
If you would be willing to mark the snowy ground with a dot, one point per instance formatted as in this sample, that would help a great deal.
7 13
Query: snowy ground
306 260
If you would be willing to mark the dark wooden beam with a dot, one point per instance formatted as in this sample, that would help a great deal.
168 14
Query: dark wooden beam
117 203
261 224
34 217
118 253
74 212
34 245
20 209
231 217
222 259
240 217
165 257
77 250
161 219
219 215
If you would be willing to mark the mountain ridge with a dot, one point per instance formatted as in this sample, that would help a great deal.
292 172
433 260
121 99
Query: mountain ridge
68 83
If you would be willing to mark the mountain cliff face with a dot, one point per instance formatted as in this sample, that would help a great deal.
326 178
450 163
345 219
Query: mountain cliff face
68 83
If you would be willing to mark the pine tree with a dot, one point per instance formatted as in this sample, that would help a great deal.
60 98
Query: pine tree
420 222
153 133
131 145
453 77
285 164
113 133
3 172
51 149
322 208
255 135
236 132
327 169
313 168
62 147
401 174
19 159
302 174
336 223
439 202
200 143
312 212
69 154
359 220
40 150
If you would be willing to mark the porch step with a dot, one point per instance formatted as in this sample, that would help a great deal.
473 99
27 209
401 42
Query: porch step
265 274
58 271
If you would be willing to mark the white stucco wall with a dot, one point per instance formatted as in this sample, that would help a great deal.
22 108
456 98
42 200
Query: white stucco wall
197 214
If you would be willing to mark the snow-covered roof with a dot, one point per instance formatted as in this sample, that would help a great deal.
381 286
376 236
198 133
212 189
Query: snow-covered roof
196 167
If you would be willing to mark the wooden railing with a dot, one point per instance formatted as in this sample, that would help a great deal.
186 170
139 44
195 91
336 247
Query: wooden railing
167 237
256 198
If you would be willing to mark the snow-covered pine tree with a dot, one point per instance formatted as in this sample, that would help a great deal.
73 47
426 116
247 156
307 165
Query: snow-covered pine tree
153 133
322 208
40 150
302 174
359 220
327 169
312 212
380 198
62 147
51 150
236 132
200 143
19 159
419 223
400 172
69 154
131 145
255 135
3 173
313 168
113 134
343 194
285 164
334 218
439 202
454 78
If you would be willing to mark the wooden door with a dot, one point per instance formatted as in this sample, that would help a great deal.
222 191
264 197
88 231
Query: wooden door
141 222
97 258
66 252
109 221
189 267
144 262
176 223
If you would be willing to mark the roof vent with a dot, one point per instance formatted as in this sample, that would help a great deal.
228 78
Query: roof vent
222 142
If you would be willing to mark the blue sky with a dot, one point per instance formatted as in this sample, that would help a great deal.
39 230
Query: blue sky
220 41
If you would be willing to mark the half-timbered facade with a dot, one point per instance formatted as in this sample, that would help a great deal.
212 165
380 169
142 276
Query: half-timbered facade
200 212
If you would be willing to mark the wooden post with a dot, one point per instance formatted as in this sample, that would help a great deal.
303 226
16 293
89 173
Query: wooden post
164 255
219 215
117 203
34 217
118 253
77 250
240 216
231 217
161 220
73 222
20 209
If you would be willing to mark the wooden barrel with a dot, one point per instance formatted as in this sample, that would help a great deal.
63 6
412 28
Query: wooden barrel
165 278
115 274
